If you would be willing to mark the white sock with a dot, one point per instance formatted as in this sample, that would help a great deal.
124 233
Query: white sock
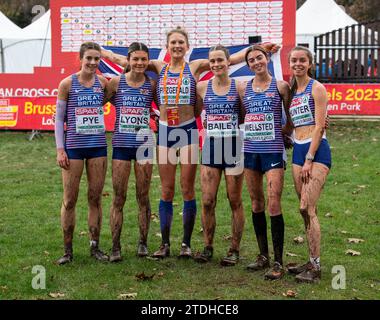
316 262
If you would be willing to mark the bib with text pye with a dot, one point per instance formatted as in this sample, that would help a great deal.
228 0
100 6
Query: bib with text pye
89 120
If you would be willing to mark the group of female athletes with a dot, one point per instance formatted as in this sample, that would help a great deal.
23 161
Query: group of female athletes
245 127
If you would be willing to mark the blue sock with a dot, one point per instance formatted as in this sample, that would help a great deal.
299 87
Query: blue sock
188 217
166 217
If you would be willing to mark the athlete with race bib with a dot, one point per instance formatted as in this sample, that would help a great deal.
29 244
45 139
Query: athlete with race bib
221 151
263 155
132 94
80 106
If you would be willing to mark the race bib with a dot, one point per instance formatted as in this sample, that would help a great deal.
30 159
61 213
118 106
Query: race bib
89 120
133 120
259 127
171 88
222 125
300 111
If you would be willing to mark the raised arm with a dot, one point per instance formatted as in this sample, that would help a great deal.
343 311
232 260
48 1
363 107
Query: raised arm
154 65
115 57
239 57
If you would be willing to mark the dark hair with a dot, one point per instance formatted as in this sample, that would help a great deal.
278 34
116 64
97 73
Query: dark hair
137 46
179 30
133 47
293 82
88 46
219 47
255 47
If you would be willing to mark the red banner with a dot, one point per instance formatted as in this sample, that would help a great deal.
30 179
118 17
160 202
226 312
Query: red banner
353 99
37 113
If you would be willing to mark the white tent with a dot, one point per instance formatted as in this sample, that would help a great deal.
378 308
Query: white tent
7 27
316 17
29 47
7 30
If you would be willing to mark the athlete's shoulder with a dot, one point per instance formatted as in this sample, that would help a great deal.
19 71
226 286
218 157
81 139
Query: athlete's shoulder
283 86
65 83
318 88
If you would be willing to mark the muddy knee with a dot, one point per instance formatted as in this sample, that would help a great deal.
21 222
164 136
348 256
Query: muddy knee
235 203
69 205
209 204
119 201
168 194
94 199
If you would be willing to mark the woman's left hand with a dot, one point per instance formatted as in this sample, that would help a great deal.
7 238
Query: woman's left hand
306 171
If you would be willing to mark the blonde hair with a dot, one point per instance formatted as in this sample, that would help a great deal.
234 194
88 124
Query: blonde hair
221 48
179 30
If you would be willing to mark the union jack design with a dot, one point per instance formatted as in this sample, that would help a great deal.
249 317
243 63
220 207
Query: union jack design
239 71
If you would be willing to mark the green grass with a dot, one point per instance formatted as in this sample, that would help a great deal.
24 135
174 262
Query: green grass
30 232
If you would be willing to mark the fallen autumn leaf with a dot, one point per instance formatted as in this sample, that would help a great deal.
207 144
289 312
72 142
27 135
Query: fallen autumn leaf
123 296
355 240
143 277
56 295
290 294
299 240
353 252
289 254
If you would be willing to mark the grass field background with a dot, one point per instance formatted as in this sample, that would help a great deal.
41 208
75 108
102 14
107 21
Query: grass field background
30 232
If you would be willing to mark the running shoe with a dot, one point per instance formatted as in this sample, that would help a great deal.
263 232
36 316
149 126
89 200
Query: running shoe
230 259
275 273
261 263
204 256
66 258
142 249
115 255
185 251
294 268
310 275
98 254
163 252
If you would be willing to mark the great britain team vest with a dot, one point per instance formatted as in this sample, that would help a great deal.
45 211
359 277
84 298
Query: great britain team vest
85 116
262 123
132 115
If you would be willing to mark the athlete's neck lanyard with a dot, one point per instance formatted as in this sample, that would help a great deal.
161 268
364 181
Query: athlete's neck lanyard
178 86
